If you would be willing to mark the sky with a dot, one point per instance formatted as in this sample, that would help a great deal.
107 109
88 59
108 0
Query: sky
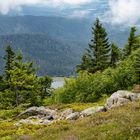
119 12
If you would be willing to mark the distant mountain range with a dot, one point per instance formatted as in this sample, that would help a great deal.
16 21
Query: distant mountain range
55 43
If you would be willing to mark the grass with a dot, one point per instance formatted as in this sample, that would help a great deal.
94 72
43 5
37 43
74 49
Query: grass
58 78
9 114
78 106
122 123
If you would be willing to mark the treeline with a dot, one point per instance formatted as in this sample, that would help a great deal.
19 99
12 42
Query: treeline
19 84
104 69
56 57
102 54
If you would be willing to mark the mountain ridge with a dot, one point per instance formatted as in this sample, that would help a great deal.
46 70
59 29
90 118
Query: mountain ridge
65 32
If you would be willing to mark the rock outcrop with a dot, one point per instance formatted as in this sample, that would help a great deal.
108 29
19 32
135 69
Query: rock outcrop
65 113
73 116
46 116
92 110
121 98
40 111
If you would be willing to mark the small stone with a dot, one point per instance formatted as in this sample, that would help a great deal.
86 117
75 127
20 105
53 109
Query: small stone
65 113
73 116
91 111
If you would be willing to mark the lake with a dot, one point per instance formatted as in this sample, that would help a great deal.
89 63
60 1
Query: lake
57 82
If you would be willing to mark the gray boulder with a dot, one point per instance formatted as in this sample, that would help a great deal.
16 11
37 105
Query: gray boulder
91 111
73 116
24 121
42 111
31 122
65 113
46 122
121 98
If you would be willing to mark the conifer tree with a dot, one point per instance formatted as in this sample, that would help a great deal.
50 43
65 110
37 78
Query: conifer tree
132 42
23 82
115 55
99 49
20 84
9 58
45 84
136 66
85 64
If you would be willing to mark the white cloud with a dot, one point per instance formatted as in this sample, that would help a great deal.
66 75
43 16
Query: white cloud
80 13
8 5
124 11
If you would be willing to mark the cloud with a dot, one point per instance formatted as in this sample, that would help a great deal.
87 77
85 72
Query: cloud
80 13
123 11
7 5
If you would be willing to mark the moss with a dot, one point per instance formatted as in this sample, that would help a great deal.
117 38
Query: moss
79 106
7 114
118 124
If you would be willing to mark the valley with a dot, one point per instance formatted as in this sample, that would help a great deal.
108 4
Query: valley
58 45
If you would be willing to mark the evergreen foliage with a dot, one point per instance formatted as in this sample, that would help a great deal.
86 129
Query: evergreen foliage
9 58
24 86
115 55
98 53
133 42
45 83
101 73
136 66
88 87
86 63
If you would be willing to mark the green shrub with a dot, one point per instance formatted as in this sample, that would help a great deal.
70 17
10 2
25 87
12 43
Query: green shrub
89 87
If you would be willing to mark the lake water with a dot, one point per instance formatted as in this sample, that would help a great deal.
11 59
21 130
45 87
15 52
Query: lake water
57 82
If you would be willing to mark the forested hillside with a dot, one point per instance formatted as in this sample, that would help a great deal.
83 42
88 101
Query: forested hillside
55 43
55 57
58 27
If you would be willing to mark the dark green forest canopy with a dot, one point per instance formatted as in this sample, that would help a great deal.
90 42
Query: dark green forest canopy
55 57
55 43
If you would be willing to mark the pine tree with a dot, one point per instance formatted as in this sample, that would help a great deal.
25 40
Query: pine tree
136 66
115 55
133 42
45 84
9 58
23 82
99 50
85 64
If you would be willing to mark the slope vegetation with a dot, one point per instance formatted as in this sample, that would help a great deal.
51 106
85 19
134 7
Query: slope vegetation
117 124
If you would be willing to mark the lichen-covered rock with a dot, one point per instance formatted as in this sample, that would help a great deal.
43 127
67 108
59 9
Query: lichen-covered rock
32 122
42 111
65 113
73 116
121 98
46 116
91 111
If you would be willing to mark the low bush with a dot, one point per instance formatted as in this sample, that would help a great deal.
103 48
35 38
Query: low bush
87 87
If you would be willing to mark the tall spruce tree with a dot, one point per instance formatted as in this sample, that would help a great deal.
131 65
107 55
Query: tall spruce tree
99 50
9 58
132 42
